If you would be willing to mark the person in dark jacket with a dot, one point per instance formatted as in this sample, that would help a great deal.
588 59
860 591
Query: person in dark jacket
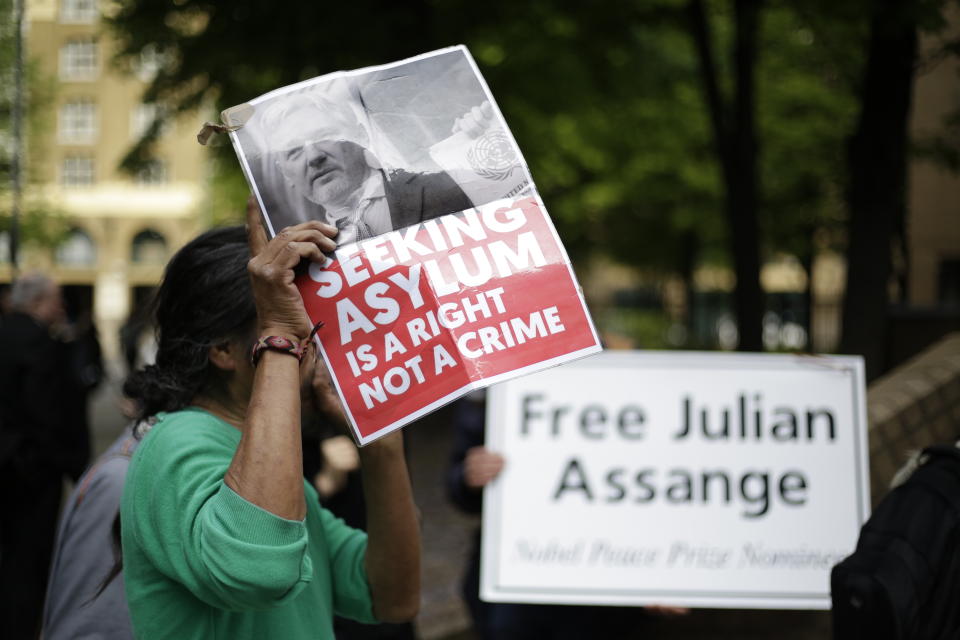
35 432
82 600
472 467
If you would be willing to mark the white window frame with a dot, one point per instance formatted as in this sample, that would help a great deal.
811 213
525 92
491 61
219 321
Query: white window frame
156 247
79 60
78 122
78 171
79 11
78 250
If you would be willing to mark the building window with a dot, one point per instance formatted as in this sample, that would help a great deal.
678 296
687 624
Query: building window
78 122
78 60
77 171
78 11
77 250
154 172
149 247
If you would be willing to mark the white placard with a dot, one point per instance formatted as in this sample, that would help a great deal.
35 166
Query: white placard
692 479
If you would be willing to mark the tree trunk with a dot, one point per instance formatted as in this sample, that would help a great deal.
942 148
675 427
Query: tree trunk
689 253
742 188
807 257
877 169
736 142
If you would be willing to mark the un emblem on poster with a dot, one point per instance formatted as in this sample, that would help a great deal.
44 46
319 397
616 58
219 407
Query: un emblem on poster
492 156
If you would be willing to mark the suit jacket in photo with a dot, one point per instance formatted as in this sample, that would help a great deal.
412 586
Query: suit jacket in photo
416 197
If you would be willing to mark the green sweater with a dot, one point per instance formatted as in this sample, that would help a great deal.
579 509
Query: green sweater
199 561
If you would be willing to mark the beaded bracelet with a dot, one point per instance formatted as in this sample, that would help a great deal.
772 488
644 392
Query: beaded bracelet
282 345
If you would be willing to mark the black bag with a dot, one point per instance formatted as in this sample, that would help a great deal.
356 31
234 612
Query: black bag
903 580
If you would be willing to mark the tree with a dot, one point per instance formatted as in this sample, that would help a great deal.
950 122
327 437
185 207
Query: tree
877 192
735 136
38 223
618 153
606 101
877 166
806 107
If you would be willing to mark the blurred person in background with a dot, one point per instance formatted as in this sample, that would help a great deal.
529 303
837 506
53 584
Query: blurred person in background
38 445
84 598
138 344
86 372
4 301
221 535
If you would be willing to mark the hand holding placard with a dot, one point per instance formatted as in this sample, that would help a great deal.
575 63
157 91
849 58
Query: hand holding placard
280 309
448 273
480 467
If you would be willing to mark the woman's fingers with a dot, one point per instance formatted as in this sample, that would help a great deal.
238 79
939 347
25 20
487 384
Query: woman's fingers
326 229
291 254
308 234
313 231
279 268
256 234
317 237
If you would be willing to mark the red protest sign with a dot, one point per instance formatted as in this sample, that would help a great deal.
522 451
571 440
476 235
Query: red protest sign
449 275
418 316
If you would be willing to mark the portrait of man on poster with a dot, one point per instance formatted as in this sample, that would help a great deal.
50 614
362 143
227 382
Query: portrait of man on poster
320 156
379 149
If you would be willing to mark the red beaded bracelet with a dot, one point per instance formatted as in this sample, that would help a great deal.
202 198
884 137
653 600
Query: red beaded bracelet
281 345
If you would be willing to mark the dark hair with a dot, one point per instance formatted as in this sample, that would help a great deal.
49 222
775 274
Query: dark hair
204 300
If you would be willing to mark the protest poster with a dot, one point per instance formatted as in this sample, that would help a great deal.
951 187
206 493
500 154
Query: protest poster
448 275
682 478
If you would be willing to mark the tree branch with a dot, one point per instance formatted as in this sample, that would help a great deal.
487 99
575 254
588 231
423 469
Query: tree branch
715 104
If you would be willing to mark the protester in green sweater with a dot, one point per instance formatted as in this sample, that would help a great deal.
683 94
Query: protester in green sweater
221 536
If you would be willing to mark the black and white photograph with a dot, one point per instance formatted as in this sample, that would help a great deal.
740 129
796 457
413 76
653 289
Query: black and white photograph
379 149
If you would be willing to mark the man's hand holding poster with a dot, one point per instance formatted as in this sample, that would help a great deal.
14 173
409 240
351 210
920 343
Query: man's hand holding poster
448 275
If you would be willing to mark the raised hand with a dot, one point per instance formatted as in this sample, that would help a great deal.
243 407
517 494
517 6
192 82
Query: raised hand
480 467
280 308
476 121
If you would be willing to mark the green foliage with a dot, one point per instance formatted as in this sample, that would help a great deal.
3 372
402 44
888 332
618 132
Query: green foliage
39 223
939 146
228 193
807 107
603 98
647 329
